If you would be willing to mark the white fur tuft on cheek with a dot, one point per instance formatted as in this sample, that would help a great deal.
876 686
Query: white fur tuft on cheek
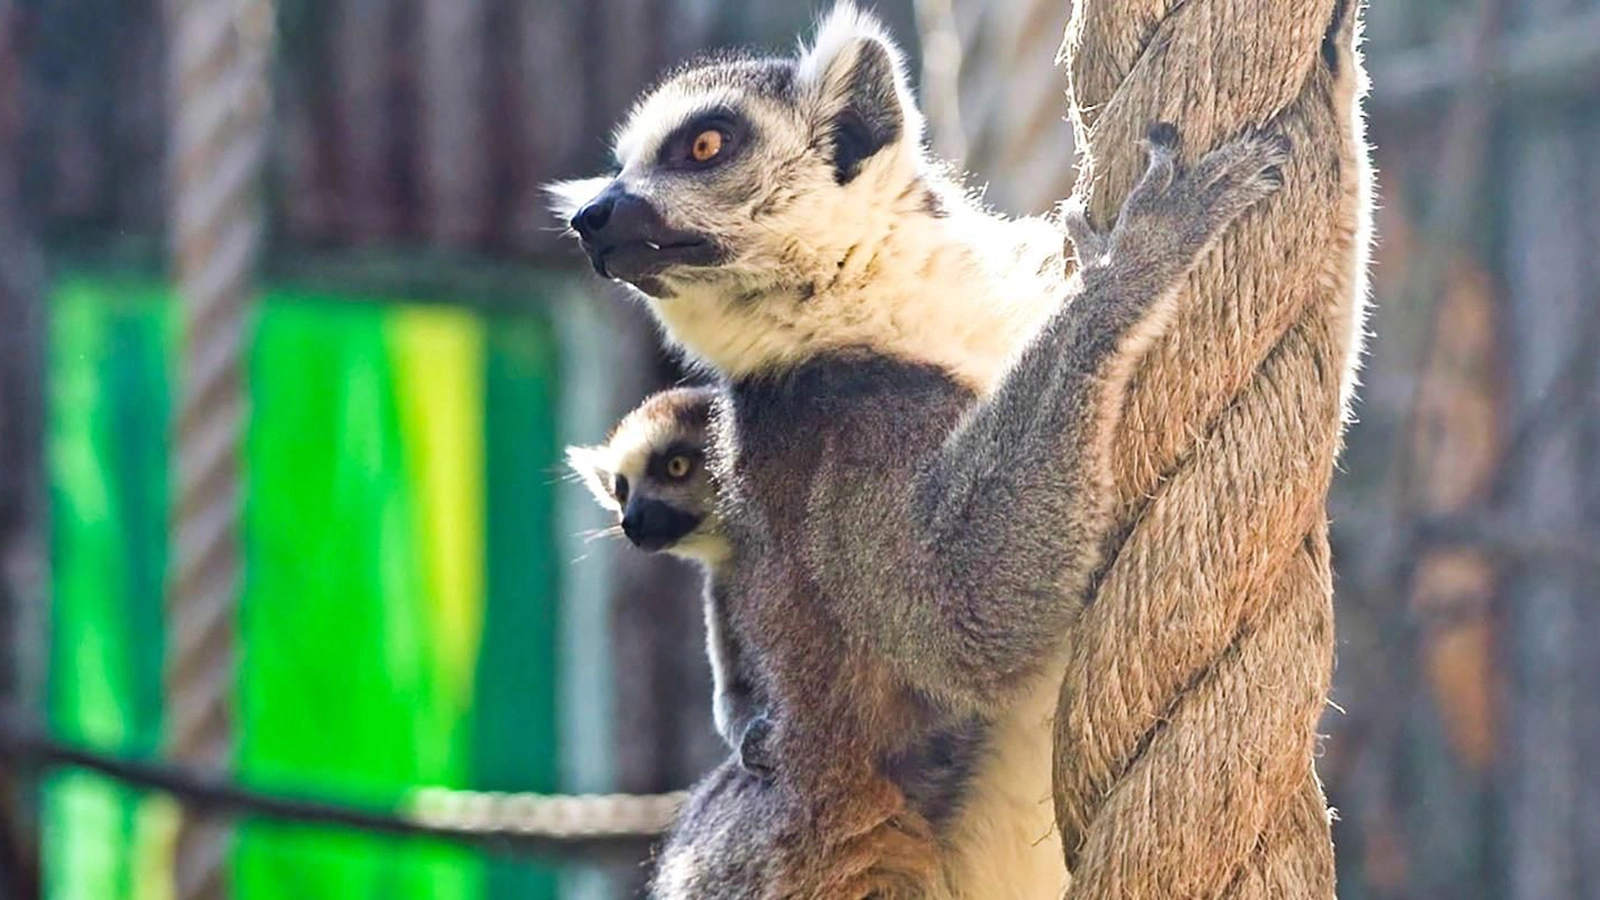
567 197
593 467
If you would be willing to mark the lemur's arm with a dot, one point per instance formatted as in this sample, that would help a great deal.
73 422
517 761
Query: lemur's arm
1004 524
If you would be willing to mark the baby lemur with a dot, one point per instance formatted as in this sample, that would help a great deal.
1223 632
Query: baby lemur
651 473
910 448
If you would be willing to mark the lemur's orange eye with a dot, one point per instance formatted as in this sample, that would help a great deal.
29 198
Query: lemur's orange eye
679 466
707 144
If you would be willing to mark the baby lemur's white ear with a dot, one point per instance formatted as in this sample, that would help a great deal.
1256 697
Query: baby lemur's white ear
854 74
567 197
592 468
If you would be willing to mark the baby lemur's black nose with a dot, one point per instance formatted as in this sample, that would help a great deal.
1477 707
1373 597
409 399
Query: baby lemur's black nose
654 525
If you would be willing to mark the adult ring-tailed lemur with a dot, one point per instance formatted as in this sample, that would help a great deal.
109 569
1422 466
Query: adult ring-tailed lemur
909 451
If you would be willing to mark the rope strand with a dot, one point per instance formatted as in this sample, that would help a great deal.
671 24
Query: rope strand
564 826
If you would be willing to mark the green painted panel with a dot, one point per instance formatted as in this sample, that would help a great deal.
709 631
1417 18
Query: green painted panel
399 625
515 739
339 692
106 443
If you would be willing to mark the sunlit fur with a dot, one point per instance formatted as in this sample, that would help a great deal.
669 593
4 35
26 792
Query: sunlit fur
901 259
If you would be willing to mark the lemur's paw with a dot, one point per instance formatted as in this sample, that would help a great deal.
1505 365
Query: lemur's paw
1241 173
1174 212
1091 247
1161 153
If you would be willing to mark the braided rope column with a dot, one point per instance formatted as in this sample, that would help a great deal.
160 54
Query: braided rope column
1185 732
218 50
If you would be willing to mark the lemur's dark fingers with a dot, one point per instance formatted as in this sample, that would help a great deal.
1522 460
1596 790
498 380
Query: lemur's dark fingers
1241 173
1163 135
753 754
1242 159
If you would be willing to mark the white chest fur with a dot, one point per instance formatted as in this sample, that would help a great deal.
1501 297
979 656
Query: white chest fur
1003 843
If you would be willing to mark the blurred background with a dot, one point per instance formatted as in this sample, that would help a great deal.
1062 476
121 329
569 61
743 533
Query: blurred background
394 345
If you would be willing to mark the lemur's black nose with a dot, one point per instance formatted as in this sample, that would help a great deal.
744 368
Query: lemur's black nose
627 238
619 217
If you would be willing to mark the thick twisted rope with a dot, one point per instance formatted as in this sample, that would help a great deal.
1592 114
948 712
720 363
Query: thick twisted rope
1186 726
218 50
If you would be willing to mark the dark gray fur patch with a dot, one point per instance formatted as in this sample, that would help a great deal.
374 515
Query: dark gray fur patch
1334 34
691 410
936 772
828 381
724 807
772 77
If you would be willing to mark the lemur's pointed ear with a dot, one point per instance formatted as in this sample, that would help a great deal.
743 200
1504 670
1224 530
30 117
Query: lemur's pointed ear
589 464
855 76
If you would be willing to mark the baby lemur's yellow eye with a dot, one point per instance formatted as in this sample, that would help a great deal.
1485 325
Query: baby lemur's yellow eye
679 466
706 144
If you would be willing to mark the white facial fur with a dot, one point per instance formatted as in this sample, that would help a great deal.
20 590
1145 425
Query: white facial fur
898 258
